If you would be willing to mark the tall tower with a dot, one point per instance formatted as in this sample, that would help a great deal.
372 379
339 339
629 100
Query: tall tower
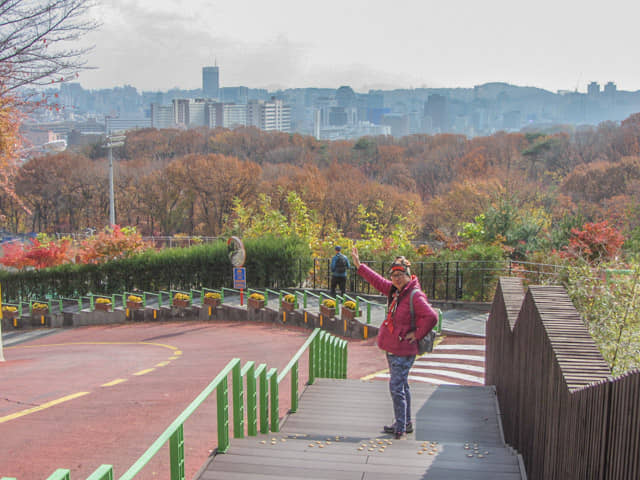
211 82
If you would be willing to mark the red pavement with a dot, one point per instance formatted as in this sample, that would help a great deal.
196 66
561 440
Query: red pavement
130 391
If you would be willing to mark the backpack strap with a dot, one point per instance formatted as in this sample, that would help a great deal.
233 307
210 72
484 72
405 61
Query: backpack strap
413 315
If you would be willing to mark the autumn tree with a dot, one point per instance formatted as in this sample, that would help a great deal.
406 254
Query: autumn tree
214 181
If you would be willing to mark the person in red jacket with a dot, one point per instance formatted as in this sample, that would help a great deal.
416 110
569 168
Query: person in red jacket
396 337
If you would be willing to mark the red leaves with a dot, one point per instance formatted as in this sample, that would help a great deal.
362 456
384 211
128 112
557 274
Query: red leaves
36 255
106 245
596 242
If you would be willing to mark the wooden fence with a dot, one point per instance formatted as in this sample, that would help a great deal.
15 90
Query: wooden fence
560 407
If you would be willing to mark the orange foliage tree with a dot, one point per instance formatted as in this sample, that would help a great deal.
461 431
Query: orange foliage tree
111 243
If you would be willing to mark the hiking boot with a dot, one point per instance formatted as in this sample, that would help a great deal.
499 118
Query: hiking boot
392 429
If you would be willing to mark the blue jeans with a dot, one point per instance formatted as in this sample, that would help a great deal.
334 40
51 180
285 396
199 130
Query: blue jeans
399 367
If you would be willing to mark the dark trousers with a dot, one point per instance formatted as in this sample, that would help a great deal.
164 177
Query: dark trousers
399 367
340 282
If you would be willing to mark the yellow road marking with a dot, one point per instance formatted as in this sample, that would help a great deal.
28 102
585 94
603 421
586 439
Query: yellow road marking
369 377
170 347
114 382
80 394
173 358
42 407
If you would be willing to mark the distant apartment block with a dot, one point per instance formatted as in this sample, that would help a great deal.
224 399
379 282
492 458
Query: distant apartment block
162 116
226 115
269 116
117 124
198 112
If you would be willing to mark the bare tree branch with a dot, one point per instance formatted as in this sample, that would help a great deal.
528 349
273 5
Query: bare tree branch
34 41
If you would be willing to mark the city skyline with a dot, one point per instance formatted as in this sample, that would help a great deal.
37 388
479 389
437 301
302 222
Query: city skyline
158 45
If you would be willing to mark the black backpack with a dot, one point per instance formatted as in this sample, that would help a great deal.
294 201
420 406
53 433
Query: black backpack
425 344
341 264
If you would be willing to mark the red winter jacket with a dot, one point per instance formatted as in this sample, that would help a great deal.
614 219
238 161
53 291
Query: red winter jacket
425 316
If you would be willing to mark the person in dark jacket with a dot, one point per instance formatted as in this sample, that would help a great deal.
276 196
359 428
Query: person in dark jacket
339 267
396 337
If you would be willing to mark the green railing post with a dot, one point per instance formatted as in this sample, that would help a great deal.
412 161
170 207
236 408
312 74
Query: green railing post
275 415
60 474
223 415
238 402
324 347
261 373
176 454
334 357
438 327
103 472
344 359
313 355
294 388
249 372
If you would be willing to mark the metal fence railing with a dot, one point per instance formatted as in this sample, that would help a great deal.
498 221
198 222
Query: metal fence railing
560 408
327 359
455 280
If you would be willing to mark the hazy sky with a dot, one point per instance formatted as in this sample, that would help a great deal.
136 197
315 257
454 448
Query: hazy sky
551 44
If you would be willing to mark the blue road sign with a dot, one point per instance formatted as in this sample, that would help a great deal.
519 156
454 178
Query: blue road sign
239 278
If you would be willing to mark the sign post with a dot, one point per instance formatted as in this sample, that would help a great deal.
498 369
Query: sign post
240 280
237 255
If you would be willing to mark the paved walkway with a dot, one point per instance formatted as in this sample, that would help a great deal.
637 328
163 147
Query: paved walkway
336 434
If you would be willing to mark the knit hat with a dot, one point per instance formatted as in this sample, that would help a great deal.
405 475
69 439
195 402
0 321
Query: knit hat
400 264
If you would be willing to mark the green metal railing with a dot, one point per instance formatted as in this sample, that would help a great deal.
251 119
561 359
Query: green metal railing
327 359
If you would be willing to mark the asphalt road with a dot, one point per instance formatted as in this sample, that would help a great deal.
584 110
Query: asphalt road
88 396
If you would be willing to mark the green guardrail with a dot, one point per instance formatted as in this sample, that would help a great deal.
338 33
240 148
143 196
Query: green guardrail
327 359
438 327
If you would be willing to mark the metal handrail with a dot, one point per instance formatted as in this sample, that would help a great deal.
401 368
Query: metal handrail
327 358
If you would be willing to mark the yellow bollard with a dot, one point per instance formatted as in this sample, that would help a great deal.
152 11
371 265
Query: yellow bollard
284 317
365 333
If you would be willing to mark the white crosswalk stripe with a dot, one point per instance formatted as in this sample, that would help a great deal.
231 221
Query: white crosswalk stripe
455 363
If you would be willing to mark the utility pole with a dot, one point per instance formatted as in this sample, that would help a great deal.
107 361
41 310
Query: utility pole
112 141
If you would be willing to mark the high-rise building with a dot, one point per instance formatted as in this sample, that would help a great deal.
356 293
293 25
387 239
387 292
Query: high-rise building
436 109
211 82
593 89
